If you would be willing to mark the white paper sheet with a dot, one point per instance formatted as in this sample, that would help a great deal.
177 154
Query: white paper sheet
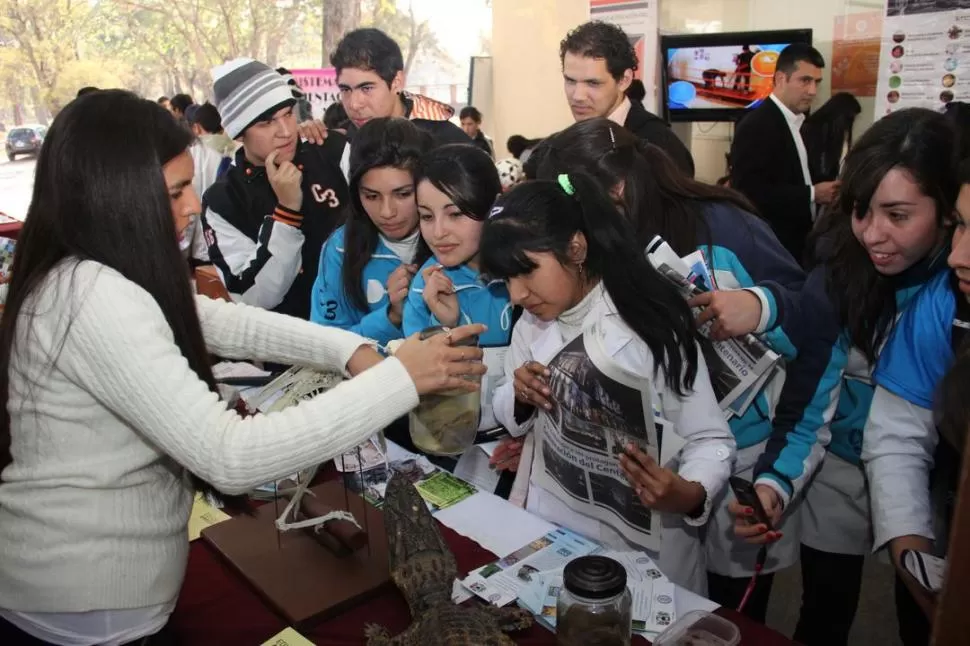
494 523
473 467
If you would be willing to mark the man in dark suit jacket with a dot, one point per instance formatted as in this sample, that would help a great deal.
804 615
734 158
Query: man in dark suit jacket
598 62
769 163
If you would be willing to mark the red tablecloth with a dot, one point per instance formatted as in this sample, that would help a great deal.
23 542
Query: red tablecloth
218 607
9 227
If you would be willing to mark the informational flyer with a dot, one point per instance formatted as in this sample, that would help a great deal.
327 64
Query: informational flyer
925 55
640 20
499 583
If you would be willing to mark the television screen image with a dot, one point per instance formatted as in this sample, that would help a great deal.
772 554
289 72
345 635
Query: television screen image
718 77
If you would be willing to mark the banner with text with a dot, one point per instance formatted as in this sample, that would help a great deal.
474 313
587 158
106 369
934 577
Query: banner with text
639 19
925 55
320 86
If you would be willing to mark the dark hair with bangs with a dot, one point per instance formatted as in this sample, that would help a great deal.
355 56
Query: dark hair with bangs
100 195
540 217
466 174
918 141
658 198
380 143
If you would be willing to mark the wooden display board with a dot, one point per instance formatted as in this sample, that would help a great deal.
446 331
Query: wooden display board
298 577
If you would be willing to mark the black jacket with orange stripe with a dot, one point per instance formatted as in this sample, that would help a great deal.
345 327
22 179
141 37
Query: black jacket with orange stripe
266 254
432 117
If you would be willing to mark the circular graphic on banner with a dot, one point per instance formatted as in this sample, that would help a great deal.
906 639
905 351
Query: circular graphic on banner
895 67
899 37
950 64
897 51
763 63
949 80
954 32
946 96
893 97
895 82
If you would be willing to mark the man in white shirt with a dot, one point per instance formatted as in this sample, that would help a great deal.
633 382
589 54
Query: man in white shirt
598 66
769 163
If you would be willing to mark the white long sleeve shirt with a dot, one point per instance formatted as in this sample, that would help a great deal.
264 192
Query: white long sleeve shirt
106 416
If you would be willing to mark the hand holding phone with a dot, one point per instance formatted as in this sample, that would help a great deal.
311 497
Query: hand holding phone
756 526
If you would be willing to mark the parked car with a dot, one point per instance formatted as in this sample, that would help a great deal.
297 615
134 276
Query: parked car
25 140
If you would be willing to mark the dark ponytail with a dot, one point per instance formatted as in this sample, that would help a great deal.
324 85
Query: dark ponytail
543 216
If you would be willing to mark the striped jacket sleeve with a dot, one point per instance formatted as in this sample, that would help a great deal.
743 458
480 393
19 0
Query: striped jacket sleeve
800 431
256 272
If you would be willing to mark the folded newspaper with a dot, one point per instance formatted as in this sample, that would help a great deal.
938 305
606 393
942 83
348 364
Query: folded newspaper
600 408
532 576
739 367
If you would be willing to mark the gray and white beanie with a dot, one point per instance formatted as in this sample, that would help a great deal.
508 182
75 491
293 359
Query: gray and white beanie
244 90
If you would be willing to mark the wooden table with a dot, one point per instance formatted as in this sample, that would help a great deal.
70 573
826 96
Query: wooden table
218 607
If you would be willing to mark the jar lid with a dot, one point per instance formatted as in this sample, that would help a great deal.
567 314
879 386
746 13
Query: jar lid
435 330
594 577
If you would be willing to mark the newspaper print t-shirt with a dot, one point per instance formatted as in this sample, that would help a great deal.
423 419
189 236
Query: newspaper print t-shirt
598 408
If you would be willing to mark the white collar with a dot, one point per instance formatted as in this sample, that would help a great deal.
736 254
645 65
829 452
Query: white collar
405 248
621 113
792 118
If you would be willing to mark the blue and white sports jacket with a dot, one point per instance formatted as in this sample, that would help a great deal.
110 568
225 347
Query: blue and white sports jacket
746 254
900 444
478 302
329 304
826 401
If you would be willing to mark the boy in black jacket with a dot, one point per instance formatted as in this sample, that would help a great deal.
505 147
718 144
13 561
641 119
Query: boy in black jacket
370 75
266 219
598 62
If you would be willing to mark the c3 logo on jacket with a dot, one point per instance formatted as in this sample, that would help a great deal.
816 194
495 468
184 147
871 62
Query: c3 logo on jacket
325 196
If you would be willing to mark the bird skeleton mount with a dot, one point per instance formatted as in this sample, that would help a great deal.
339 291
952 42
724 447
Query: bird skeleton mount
336 529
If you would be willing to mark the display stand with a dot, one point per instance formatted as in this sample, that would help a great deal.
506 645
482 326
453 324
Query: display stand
302 580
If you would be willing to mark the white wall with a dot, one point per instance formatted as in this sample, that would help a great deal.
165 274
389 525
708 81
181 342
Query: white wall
528 94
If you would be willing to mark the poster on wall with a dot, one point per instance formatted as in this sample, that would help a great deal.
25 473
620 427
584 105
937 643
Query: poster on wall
639 19
856 44
320 86
925 55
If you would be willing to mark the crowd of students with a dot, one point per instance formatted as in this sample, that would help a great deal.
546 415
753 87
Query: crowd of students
333 243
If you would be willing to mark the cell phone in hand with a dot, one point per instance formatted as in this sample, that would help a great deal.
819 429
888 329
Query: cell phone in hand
747 496
928 570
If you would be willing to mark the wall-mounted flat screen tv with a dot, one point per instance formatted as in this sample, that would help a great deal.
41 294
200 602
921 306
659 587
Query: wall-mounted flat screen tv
719 77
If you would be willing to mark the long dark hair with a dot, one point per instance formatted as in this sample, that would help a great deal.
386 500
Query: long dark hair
99 195
958 112
658 198
466 174
380 143
539 216
917 140
826 131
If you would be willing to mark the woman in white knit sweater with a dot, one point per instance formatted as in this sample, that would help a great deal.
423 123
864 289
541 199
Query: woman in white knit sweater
108 400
